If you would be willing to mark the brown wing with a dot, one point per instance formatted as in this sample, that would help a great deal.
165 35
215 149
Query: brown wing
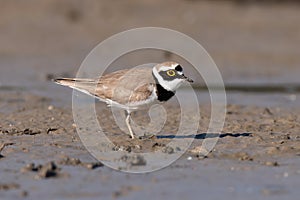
126 85
121 86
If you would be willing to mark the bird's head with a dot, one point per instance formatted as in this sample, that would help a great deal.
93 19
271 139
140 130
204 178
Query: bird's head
170 75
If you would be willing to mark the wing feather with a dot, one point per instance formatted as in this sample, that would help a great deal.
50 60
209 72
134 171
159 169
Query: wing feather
122 86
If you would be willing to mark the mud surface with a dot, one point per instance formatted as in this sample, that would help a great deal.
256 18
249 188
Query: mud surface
39 142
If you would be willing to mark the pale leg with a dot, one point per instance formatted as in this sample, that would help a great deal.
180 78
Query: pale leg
128 125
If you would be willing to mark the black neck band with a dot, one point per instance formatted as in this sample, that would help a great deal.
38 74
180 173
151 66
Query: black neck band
162 93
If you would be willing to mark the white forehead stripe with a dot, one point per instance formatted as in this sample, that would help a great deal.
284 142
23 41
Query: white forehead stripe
166 68
174 65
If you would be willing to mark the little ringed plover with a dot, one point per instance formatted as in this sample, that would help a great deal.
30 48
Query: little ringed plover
132 89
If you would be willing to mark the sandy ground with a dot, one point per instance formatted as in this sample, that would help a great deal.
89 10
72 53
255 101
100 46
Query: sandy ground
257 154
41 155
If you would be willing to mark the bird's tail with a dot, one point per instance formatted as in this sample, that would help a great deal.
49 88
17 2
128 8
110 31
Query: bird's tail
87 86
72 82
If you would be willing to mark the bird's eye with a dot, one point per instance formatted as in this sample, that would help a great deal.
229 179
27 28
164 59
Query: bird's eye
171 72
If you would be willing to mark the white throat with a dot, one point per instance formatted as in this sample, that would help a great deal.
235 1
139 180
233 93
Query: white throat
168 85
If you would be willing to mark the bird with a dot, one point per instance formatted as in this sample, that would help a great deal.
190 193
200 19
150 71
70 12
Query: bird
132 89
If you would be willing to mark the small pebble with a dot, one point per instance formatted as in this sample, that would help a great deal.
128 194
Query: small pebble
201 157
135 160
168 150
24 193
269 163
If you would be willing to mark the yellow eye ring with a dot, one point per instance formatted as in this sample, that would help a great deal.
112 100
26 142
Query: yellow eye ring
171 72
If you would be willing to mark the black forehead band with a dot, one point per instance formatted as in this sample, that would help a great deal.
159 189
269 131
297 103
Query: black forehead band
178 68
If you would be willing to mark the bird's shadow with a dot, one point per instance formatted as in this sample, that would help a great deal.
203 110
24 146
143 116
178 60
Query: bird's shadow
205 135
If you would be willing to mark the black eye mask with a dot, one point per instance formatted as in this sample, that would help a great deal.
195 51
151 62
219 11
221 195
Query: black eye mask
166 77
